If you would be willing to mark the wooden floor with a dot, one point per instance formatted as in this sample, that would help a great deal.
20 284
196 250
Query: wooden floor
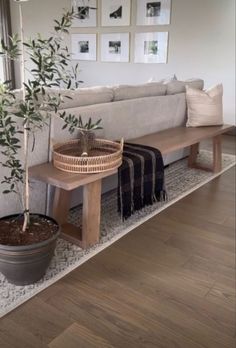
169 283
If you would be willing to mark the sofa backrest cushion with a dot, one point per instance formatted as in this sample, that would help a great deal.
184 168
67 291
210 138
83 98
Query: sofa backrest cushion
176 86
77 97
152 89
83 96
129 118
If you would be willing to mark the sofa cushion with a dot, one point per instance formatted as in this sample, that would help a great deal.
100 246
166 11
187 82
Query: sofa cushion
176 86
151 89
204 107
83 96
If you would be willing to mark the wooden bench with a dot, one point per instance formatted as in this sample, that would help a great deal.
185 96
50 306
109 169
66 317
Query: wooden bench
166 141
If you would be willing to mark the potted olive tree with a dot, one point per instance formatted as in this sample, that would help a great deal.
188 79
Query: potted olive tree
27 241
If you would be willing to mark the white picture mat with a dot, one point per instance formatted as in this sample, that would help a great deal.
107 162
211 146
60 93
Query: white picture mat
76 39
91 21
162 43
162 19
108 53
110 6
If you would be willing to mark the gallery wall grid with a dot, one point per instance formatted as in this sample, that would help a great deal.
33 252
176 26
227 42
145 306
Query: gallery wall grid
114 31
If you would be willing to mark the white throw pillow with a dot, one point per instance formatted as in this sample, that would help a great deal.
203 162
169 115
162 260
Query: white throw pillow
204 107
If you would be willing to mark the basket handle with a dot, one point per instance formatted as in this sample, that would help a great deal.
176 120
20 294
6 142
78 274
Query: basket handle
122 143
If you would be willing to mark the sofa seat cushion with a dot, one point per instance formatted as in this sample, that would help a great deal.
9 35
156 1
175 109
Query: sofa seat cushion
176 86
204 107
124 92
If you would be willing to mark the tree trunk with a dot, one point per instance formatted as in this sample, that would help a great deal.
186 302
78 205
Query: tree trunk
26 132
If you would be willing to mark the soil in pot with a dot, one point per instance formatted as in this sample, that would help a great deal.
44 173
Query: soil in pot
39 230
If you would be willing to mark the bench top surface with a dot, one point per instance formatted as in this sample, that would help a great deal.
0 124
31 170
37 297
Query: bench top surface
177 138
47 173
166 141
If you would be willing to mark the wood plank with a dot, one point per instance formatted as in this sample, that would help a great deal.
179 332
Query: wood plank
166 141
142 312
13 335
61 205
217 157
91 215
79 336
192 159
223 294
72 234
39 319
46 172
148 283
174 139
90 233
119 323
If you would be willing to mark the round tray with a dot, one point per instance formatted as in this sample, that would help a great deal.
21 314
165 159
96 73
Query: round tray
104 155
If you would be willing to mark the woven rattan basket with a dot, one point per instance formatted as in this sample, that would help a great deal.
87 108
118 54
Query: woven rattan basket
104 155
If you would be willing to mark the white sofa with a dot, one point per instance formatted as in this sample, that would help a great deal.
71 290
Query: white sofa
126 111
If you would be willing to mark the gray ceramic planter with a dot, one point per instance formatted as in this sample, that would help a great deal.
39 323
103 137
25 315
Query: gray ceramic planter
23 265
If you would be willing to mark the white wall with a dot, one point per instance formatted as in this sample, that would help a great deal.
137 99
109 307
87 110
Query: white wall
201 44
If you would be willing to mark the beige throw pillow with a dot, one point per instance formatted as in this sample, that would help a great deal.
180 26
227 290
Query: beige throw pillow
204 107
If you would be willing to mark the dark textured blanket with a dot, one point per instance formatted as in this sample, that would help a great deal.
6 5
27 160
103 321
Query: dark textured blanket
140 178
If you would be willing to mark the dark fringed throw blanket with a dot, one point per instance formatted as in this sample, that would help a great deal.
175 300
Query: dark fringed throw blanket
140 179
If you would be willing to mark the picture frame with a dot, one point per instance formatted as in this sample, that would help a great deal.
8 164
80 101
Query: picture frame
87 11
115 47
84 46
115 13
151 47
153 12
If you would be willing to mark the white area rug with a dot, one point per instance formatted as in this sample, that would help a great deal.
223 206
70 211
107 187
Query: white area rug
180 181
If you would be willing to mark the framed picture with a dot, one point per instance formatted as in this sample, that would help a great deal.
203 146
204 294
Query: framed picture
151 12
115 13
86 11
151 47
84 46
115 47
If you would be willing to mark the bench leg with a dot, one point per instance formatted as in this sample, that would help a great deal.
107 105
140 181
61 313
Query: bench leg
91 213
192 159
61 205
217 154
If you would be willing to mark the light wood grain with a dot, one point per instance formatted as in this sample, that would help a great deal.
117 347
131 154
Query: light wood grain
166 141
91 213
79 336
177 138
46 172
61 205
